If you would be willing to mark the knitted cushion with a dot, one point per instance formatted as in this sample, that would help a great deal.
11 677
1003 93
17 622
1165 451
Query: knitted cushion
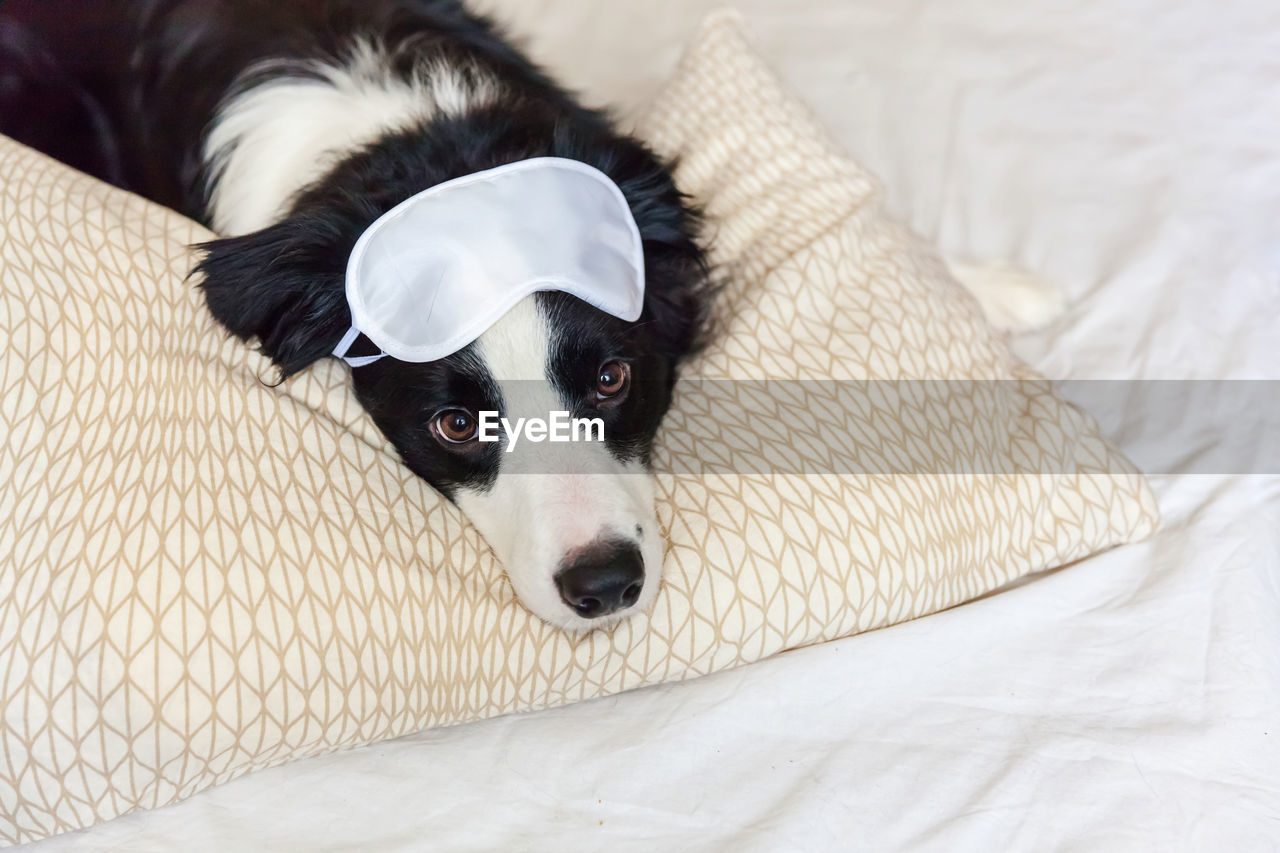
201 575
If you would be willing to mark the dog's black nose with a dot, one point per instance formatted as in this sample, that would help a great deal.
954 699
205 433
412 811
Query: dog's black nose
602 579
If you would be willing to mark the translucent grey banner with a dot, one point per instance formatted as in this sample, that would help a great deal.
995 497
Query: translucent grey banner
963 427
1177 426
973 427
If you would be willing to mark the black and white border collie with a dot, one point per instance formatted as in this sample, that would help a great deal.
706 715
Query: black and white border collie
289 126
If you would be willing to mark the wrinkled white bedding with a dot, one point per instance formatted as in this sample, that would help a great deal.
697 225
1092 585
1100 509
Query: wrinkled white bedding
1129 149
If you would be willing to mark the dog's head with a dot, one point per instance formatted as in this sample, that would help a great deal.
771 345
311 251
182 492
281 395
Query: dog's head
573 521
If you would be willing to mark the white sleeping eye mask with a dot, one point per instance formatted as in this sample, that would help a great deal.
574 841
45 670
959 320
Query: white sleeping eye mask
437 270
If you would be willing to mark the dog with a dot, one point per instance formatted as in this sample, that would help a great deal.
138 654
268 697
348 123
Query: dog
289 127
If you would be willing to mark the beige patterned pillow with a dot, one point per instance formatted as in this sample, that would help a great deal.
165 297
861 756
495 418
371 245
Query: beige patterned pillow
201 575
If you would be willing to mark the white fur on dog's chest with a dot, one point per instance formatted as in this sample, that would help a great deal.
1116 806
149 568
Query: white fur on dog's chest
273 140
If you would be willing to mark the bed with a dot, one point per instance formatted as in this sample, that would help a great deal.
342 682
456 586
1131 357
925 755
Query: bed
1126 149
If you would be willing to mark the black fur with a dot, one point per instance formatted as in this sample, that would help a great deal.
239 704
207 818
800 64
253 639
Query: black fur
283 286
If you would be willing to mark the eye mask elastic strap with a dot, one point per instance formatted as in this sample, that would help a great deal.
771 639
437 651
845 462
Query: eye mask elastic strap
340 351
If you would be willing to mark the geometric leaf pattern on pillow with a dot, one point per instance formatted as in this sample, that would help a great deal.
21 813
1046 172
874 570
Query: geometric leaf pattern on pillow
201 575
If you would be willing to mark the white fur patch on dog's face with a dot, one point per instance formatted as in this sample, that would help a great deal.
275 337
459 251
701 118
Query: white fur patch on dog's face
549 501
277 137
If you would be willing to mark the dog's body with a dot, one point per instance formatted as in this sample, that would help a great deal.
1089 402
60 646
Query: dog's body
290 126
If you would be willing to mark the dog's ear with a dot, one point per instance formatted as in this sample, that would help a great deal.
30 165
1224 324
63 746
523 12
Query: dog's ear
283 285
677 299
678 279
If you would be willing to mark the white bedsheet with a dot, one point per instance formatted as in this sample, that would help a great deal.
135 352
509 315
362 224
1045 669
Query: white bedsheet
1129 149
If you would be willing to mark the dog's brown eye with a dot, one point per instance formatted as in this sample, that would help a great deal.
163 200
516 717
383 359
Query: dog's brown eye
612 380
456 426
